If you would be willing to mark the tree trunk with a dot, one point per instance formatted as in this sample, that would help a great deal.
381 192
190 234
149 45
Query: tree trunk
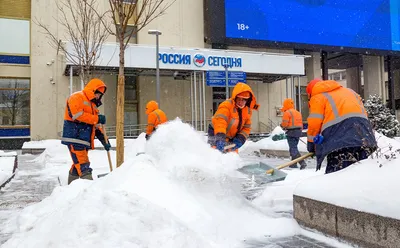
120 106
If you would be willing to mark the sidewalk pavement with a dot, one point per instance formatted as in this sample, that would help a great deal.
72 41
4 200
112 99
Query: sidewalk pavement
29 186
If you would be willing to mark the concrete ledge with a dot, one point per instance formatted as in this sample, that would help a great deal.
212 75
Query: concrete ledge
32 150
359 228
278 153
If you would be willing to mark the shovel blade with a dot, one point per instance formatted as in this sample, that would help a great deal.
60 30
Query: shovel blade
259 169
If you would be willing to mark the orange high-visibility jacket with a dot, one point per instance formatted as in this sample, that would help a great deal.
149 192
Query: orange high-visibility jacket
155 117
81 116
331 104
226 119
291 118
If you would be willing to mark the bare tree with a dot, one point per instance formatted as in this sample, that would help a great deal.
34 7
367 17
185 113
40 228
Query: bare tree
85 29
136 14
14 101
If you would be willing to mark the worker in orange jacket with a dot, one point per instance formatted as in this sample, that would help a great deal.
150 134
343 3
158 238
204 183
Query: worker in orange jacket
338 126
232 121
81 119
292 123
155 117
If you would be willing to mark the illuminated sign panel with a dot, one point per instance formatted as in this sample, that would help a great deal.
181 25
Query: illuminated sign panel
360 24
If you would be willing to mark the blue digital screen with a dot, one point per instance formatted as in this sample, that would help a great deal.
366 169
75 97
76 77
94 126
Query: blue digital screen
367 24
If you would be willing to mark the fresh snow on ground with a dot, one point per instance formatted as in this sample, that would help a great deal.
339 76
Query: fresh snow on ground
6 165
176 191
180 193
370 186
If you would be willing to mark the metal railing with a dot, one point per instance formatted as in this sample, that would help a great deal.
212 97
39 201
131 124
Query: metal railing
130 131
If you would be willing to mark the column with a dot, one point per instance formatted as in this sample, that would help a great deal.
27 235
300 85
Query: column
353 79
373 80
313 66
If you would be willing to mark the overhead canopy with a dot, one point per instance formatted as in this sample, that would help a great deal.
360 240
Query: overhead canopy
189 59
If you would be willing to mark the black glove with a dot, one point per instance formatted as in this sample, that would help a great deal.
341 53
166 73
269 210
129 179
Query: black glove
102 119
147 136
310 147
107 146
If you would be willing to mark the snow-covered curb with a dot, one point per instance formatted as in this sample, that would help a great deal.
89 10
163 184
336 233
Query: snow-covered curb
8 165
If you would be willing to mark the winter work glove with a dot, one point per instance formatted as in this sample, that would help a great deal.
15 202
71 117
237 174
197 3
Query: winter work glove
318 139
220 145
239 140
102 119
310 147
220 141
107 146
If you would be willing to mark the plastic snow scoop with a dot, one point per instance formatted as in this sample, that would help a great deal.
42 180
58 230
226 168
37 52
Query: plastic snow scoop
257 172
294 161
108 153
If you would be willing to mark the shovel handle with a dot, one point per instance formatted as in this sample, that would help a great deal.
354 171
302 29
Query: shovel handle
108 152
270 171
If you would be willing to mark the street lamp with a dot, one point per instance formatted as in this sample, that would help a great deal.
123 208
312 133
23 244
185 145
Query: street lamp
226 66
157 33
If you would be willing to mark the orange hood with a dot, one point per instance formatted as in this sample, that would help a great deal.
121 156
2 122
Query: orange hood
242 87
151 106
325 86
92 86
287 104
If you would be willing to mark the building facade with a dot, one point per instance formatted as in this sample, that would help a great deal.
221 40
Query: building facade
35 80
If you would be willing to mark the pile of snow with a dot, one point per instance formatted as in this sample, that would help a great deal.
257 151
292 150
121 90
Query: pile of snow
180 193
269 144
370 185
363 186
6 165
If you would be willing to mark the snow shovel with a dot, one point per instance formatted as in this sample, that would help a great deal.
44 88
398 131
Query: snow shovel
108 153
257 173
294 161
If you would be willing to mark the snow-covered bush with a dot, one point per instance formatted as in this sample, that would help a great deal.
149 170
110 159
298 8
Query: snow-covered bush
381 118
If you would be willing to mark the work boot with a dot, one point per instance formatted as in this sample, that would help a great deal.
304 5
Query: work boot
71 178
303 165
293 166
87 176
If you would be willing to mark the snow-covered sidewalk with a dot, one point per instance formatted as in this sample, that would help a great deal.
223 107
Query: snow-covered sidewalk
29 186
180 193
7 164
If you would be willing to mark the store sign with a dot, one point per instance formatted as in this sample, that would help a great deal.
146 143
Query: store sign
200 60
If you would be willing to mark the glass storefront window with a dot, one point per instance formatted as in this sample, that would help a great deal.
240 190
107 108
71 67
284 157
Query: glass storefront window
14 101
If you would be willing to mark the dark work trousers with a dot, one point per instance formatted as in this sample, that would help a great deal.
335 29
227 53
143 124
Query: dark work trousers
294 151
344 157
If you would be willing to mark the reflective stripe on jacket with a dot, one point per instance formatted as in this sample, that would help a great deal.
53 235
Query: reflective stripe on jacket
330 104
154 119
231 120
81 116
292 122
339 115
292 119
226 120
